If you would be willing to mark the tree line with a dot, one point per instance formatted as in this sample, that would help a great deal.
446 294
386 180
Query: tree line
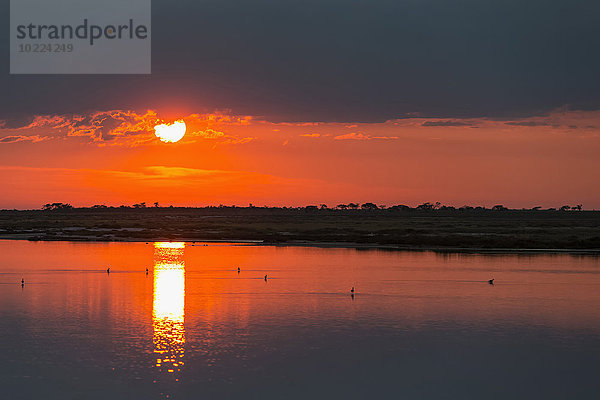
342 206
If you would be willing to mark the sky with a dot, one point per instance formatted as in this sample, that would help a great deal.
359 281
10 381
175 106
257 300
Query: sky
310 102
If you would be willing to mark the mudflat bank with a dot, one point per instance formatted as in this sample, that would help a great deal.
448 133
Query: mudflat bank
462 230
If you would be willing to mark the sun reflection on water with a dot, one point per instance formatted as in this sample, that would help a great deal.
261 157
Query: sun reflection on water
168 310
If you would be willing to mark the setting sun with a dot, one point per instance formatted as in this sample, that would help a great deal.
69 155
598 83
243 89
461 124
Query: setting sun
170 133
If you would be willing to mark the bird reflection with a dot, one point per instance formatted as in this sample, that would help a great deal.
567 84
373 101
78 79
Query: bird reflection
169 306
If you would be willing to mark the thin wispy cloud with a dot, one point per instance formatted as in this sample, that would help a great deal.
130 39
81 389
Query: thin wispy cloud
445 123
128 128
22 138
527 123
352 136
122 127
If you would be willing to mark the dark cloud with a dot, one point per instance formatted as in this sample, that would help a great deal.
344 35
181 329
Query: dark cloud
343 60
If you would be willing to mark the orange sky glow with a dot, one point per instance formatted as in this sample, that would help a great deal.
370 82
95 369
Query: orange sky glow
113 157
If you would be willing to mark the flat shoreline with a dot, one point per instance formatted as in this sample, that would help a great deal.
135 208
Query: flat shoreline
326 245
448 231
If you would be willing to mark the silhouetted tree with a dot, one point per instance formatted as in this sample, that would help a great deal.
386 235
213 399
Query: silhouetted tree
56 206
369 206
565 208
353 206
499 207
156 204
425 206
342 207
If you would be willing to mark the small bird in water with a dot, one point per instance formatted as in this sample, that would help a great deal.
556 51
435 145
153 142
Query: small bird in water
146 271
22 281
238 270
491 281
265 278
352 290
108 270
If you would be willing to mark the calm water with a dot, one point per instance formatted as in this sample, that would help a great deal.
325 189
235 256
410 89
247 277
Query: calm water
421 326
